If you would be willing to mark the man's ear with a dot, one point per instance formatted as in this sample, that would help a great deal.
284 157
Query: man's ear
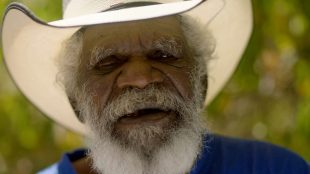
77 112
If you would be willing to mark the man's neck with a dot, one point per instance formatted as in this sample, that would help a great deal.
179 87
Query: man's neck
83 166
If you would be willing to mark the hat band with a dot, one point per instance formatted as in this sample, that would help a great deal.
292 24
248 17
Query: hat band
130 5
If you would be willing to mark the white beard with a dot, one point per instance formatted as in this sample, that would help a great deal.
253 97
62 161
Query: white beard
176 155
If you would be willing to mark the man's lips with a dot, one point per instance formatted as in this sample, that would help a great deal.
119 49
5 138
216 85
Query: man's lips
142 116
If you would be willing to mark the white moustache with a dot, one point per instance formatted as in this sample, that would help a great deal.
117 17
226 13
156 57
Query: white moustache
133 100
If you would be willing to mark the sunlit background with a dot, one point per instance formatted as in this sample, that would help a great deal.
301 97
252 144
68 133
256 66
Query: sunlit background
268 98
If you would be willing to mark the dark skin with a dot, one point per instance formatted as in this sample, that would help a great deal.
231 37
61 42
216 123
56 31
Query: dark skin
133 61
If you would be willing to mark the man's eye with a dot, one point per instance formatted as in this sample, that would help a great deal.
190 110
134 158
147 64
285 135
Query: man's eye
108 63
161 56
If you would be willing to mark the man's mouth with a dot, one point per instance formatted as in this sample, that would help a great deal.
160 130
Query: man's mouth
149 116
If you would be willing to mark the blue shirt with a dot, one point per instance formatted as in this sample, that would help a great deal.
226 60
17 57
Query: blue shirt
222 155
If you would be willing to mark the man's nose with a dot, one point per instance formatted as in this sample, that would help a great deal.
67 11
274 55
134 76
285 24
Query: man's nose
138 72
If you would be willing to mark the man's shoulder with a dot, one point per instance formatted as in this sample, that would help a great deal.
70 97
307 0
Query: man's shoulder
244 156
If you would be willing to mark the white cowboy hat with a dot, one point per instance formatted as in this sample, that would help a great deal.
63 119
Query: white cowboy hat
30 45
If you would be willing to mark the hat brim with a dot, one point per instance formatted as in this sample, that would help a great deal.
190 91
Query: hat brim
31 46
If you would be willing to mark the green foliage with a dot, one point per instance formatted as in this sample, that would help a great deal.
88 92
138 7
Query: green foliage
268 97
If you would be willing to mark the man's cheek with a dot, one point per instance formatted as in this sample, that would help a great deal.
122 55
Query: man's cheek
183 84
99 90
179 79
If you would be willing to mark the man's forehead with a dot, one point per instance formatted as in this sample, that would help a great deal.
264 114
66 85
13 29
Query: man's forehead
164 26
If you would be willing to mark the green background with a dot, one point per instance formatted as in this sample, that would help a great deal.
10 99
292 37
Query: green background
268 97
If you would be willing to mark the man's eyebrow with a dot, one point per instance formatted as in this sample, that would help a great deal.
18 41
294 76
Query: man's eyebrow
99 53
171 45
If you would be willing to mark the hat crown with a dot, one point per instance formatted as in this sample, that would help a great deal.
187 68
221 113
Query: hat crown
73 8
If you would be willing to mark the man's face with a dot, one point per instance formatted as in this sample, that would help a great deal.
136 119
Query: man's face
137 88
134 55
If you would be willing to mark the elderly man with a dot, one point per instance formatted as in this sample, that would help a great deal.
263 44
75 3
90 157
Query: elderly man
138 86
